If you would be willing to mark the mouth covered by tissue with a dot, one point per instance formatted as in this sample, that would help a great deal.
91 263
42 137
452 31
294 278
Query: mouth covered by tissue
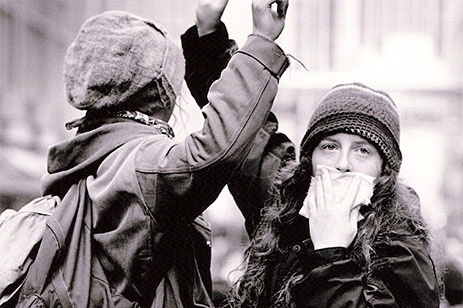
341 182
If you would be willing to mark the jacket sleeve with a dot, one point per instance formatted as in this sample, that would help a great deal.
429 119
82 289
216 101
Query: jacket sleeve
180 179
251 184
401 275
205 59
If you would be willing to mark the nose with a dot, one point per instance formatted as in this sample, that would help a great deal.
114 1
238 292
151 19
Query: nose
343 163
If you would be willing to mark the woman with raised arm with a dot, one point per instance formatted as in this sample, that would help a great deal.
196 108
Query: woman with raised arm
129 232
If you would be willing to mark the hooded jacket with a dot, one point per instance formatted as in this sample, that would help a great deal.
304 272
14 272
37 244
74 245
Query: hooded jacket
147 191
401 274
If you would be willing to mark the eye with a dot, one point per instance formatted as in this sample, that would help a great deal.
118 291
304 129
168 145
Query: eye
329 147
363 150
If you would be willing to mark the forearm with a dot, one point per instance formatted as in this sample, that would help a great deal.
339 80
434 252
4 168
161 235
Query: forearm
251 184
196 169
205 59
240 102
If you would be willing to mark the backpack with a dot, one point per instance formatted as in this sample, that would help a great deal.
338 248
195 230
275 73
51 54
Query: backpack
20 236
65 273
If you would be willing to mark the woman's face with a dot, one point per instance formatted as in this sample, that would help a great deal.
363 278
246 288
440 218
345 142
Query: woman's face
347 153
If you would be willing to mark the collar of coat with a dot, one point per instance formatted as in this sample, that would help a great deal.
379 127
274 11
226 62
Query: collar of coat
80 156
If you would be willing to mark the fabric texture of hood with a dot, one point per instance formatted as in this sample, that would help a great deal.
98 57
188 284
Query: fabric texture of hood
78 157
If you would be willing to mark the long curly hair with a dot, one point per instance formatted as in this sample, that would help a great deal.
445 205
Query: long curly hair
395 208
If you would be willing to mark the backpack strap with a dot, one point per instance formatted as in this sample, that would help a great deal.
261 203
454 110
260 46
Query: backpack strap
52 253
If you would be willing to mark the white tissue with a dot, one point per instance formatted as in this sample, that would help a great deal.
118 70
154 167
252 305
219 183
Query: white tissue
341 182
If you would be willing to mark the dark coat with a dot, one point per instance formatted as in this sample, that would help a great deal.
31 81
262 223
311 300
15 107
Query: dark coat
402 273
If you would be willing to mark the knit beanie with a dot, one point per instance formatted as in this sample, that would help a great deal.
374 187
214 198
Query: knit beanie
119 58
357 109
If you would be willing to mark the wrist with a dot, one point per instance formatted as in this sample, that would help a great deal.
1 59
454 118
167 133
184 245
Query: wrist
207 28
267 52
202 31
327 245
265 36
322 247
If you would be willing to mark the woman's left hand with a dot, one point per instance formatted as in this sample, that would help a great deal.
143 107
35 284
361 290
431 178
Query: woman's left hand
332 223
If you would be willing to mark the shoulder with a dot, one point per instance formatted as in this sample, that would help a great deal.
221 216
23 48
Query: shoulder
395 249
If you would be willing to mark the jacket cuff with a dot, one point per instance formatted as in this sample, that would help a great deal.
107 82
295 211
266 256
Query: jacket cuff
215 42
320 257
219 36
267 52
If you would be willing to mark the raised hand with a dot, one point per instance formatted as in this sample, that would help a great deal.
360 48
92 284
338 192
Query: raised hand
267 22
332 223
208 14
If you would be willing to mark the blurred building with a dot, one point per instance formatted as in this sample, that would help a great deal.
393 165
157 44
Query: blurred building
412 49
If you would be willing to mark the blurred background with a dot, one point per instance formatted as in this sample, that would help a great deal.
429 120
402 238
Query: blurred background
412 49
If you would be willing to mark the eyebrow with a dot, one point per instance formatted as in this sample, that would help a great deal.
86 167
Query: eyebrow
329 139
355 142
362 142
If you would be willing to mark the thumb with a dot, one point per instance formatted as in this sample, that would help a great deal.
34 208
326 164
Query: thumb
282 8
354 214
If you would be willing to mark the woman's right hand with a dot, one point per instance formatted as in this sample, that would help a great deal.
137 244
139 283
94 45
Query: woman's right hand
208 15
267 22
331 223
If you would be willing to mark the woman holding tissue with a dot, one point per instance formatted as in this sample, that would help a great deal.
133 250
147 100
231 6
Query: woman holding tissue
365 243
